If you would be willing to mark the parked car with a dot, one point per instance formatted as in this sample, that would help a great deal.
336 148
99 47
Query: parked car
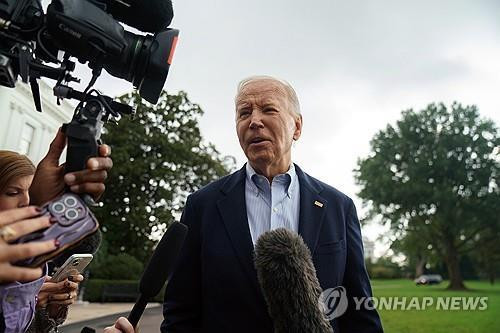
428 279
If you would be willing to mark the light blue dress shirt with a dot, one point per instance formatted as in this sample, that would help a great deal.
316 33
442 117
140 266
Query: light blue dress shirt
272 205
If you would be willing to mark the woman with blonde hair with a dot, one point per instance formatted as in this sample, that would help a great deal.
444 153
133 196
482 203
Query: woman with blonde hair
16 175
50 300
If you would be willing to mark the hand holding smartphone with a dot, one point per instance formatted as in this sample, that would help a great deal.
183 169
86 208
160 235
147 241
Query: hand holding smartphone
74 265
72 223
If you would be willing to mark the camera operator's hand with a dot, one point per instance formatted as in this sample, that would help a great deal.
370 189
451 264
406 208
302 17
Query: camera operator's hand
15 223
122 325
49 180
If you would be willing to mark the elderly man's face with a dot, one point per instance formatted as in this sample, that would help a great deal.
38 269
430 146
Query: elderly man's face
266 125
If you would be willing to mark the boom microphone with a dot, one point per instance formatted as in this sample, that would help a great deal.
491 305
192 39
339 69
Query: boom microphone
145 15
159 268
288 280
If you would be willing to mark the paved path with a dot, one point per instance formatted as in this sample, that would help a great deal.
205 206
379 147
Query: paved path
100 315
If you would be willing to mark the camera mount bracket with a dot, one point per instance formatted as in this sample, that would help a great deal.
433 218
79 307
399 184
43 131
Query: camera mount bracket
84 130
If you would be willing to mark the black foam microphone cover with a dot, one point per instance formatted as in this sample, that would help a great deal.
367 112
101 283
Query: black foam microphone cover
145 15
159 268
163 260
289 283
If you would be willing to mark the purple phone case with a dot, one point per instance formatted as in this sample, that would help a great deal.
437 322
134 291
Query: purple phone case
75 222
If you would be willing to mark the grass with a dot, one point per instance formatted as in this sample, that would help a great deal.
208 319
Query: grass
432 320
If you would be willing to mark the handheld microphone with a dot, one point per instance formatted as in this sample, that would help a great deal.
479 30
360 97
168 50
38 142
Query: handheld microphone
157 271
288 280
159 268
145 15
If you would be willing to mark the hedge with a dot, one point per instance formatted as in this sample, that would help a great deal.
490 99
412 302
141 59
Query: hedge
94 289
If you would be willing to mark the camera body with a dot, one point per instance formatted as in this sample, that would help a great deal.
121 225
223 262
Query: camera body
83 29
31 39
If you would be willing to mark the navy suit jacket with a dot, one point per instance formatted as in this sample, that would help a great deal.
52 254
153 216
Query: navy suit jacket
214 287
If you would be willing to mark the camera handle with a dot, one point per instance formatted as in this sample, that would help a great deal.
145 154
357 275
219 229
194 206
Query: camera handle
84 133
84 130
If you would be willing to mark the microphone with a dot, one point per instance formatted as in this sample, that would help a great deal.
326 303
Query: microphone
145 15
288 281
159 268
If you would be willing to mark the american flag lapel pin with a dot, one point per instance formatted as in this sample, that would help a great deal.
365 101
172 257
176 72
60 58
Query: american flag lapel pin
319 204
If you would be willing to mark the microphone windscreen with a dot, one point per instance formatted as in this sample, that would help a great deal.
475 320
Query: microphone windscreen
89 244
145 15
163 260
288 281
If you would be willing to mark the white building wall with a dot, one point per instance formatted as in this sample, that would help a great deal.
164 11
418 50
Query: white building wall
369 249
18 115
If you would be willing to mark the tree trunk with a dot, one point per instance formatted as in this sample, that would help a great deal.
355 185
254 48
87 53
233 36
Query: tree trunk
453 265
419 267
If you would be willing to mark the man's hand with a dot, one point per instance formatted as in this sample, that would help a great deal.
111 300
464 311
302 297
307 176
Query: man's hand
122 325
49 180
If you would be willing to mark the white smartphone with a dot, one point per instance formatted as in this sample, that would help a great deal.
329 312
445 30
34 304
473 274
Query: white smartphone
74 265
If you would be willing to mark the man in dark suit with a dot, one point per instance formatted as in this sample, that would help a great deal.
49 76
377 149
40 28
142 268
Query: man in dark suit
214 287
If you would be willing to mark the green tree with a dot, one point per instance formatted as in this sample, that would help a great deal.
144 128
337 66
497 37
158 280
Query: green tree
159 157
486 254
384 268
436 171
416 251
121 266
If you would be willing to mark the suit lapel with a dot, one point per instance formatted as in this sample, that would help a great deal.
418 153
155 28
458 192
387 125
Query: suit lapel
232 207
312 209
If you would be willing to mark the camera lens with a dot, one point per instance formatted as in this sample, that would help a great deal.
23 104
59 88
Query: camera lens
145 62
76 262
71 214
70 202
58 207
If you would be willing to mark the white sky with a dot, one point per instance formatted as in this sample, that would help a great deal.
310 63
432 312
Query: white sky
354 64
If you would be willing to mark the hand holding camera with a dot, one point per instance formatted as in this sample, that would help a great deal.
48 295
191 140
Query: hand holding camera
50 181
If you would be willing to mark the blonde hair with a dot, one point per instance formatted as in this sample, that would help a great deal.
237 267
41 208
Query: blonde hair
289 91
13 166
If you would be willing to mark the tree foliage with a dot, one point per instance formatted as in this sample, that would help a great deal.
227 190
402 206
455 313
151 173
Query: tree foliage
159 157
417 253
434 177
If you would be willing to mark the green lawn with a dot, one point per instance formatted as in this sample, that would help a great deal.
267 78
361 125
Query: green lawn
432 320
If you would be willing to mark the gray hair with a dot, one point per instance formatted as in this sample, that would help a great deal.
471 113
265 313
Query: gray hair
289 91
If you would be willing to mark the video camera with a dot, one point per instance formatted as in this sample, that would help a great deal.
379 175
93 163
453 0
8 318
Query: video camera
88 31
83 29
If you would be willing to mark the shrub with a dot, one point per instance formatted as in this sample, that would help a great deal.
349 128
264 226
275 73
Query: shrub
117 267
95 287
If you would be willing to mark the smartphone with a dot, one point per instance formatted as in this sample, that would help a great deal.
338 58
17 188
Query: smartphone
75 222
74 265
